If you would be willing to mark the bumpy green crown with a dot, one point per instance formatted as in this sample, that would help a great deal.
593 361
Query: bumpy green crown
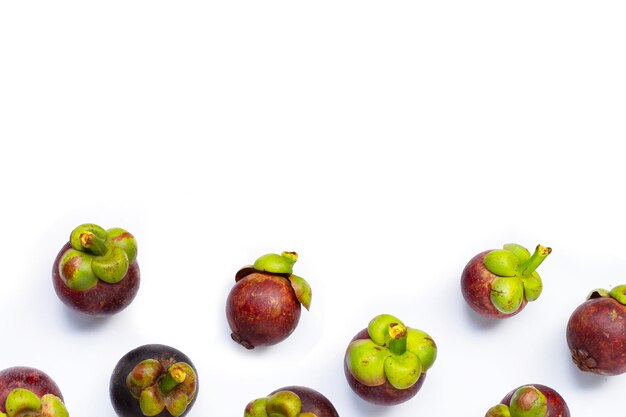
279 404
21 402
517 277
158 388
393 353
97 254
527 401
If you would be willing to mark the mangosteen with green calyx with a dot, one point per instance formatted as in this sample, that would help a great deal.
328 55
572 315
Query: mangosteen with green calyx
153 380
263 307
499 283
292 401
26 391
386 363
531 400
596 332
96 272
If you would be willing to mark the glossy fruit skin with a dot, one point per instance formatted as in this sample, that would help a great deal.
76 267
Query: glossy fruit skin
124 404
262 309
596 336
476 282
384 394
31 379
102 300
556 404
312 401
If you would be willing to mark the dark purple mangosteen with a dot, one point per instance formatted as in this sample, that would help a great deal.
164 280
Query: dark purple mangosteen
263 307
153 380
96 272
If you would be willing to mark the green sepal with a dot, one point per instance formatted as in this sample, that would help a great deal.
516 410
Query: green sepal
76 271
150 402
507 294
256 408
501 262
532 286
302 289
284 404
421 344
21 402
499 410
402 371
143 375
528 401
176 403
598 293
307 415
619 294
52 406
521 252
366 362
111 267
75 239
378 328
276 264
123 239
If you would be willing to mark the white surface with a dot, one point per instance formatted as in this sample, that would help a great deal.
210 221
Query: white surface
386 143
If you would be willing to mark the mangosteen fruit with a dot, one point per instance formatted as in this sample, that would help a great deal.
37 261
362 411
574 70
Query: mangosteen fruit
292 401
153 380
386 363
96 272
499 283
263 307
596 332
532 400
29 392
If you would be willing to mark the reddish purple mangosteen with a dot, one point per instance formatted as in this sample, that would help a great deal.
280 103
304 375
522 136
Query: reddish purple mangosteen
29 392
153 380
263 307
96 272
532 400
386 363
293 401
498 283
596 332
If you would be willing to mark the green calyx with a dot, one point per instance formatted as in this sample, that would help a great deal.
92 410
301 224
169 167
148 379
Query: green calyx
159 388
528 401
24 403
517 278
279 404
499 410
283 265
617 293
393 353
97 254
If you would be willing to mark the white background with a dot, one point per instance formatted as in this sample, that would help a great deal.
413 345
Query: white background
386 143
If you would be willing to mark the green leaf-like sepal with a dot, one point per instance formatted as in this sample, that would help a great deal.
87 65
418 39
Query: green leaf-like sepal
150 402
22 402
176 403
528 401
75 270
499 410
507 294
112 266
302 289
284 404
124 240
78 235
501 262
532 286
402 371
52 406
366 362
421 344
276 264
619 294
378 328
143 375
521 252
256 408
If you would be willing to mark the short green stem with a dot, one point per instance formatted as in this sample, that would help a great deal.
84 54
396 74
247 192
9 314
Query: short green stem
95 244
175 375
397 338
528 267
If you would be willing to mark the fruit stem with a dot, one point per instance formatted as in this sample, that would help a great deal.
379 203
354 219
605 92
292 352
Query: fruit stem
96 245
528 267
175 375
397 338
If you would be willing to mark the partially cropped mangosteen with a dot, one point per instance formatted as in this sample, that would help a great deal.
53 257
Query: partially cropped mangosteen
96 272
293 401
29 392
532 400
596 332
263 307
386 363
153 380
498 283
